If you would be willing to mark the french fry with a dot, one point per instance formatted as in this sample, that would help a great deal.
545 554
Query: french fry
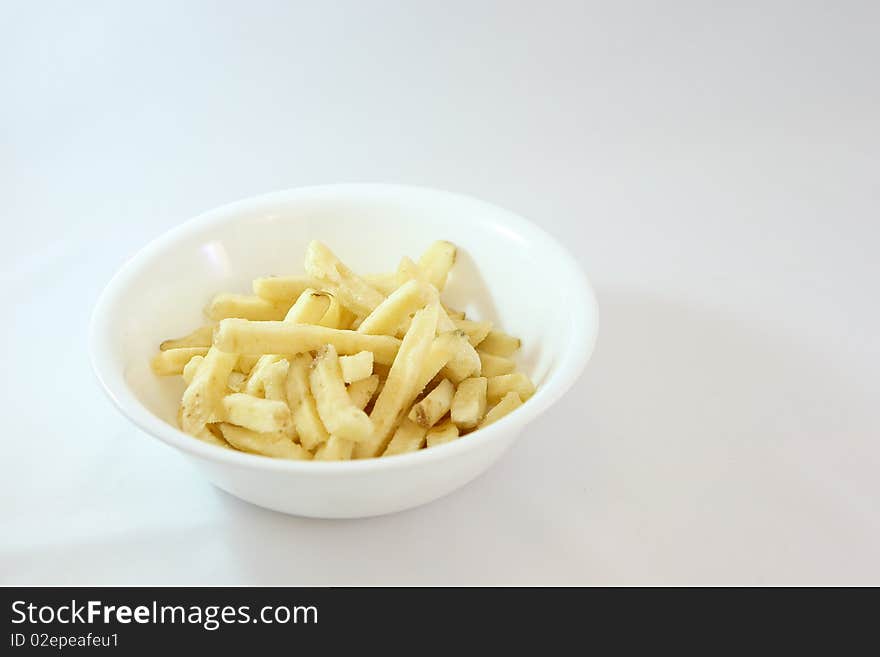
172 361
201 337
309 307
361 392
436 263
235 382
381 369
469 402
283 289
499 343
244 307
402 383
434 406
190 369
463 364
444 322
409 272
275 381
255 413
476 331
384 283
356 367
408 438
517 382
303 411
508 403
276 445
349 320
391 313
495 365
337 413
453 313
215 437
242 336
335 315
443 348
202 399
246 362
335 449
354 292
445 432
256 380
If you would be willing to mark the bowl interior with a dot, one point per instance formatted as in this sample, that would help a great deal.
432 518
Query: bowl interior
507 271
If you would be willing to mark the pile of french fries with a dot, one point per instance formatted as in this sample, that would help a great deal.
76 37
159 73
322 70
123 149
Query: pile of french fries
335 366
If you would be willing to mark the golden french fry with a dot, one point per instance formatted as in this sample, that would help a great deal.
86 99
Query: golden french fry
436 262
391 313
499 343
274 444
508 403
476 331
256 413
172 361
401 387
283 289
202 400
235 382
338 414
303 411
356 367
354 292
246 362
201 337
434 406
190 369
242 336
245 307
335 449
494 365
469 402
408 438
444 432
362 391
502 384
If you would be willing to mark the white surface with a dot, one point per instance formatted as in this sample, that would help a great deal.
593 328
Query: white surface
715 170
161 292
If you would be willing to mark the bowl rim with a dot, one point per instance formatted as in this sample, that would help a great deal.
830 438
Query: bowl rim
111 378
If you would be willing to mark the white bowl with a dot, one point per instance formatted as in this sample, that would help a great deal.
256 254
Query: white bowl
508 271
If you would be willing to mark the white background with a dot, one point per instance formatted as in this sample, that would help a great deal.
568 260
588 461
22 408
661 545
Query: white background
715 169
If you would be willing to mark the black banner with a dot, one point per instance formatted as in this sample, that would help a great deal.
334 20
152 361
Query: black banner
131 621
